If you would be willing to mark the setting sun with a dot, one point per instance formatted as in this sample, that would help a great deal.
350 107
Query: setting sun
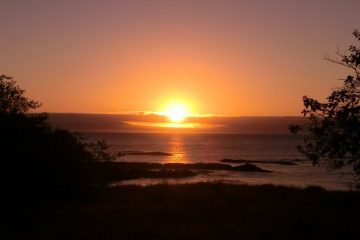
176 112
175 119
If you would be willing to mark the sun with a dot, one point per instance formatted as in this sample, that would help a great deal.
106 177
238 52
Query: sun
176 112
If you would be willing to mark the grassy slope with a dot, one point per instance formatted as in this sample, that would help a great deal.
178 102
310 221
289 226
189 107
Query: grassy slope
201 211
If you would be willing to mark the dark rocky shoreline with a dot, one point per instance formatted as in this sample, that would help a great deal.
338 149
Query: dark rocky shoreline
116 171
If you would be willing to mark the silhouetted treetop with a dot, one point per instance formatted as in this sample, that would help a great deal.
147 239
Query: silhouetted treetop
333 133
12 99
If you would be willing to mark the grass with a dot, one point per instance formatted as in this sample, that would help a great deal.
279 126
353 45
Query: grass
196 211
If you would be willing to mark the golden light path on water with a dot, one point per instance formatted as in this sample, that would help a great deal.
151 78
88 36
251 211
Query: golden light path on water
178 151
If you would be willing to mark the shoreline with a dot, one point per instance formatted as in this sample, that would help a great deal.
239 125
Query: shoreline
150 173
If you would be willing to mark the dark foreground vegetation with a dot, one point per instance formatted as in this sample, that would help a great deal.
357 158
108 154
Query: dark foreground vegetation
196 211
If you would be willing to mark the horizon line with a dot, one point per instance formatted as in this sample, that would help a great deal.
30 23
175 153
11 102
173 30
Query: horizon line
158 114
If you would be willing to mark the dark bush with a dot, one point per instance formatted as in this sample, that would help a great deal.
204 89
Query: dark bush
38 162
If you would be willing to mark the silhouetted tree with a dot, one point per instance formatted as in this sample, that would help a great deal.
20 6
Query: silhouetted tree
12 99
99 151
38 161
333 133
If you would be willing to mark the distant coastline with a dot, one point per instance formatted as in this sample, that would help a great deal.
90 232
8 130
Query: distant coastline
118 123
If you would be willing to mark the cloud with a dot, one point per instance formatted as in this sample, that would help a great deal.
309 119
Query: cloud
157 123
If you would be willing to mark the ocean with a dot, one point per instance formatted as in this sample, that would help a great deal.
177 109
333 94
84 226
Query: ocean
262 149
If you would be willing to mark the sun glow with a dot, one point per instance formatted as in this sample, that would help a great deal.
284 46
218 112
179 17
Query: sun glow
176 112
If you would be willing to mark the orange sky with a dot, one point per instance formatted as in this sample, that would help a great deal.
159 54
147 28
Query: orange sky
245 58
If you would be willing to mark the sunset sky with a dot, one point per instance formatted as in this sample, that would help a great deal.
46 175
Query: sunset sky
221 57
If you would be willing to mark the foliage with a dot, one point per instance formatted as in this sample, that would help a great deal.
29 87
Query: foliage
100 151
334 130
12 99
38 161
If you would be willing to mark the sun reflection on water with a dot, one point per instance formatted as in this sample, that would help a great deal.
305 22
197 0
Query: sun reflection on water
177 149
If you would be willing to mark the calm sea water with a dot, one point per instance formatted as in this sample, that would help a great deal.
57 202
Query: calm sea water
192 148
